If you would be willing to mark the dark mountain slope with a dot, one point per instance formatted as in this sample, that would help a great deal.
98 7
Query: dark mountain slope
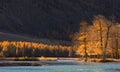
55 19
15 37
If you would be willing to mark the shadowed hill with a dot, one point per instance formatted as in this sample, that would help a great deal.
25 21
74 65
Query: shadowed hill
14 37
55 19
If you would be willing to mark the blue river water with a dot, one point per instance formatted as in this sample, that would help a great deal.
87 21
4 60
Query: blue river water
81 67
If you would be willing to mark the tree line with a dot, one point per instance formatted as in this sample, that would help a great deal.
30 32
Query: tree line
29 49
101 39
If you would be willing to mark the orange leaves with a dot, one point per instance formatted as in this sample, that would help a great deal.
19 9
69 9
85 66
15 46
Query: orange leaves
91 50
4 44
29 45
28 48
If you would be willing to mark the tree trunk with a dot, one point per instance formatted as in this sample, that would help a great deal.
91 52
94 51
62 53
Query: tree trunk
101 40
85 51
116 48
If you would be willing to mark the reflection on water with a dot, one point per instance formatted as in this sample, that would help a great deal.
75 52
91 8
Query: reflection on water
81 67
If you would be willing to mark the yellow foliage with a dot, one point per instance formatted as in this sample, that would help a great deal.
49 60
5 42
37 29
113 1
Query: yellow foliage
82 37
32 45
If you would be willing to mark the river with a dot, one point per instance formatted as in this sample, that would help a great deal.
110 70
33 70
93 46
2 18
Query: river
65 66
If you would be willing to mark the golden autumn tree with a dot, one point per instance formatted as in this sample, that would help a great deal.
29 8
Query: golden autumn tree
81 39
103 26
93 42
115 41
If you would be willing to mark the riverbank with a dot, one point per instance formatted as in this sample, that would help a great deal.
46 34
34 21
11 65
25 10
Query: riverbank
40 61
100 60
28 59
54 59
19 64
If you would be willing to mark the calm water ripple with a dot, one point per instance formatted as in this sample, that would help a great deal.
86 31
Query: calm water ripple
82 67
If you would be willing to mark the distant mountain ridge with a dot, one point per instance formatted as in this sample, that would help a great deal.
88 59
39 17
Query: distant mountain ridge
54 19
